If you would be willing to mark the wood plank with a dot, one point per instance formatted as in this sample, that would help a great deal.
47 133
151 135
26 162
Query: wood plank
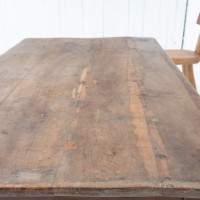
188 72
184 57
34 116
97 118
91 198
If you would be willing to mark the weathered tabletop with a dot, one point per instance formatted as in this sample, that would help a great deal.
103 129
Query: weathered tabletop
97 117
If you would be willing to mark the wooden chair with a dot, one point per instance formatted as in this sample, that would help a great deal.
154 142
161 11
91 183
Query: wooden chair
187 58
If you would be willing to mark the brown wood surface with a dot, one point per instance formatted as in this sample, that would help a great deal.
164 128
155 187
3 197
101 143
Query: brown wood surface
94 198
184 57
188 72
97 117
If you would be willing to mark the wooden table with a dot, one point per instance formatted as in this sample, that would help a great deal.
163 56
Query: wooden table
97 118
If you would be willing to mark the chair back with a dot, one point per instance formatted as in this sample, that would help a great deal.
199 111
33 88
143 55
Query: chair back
197 50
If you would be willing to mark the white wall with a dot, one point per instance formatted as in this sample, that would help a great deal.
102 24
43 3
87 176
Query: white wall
162 19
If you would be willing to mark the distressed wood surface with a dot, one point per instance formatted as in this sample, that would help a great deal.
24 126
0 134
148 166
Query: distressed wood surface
94 198
97 117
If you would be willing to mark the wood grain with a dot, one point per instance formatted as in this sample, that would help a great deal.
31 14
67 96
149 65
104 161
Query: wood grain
93 198
97 118
185 57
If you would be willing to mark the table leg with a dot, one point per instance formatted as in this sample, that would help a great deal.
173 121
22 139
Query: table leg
188 72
